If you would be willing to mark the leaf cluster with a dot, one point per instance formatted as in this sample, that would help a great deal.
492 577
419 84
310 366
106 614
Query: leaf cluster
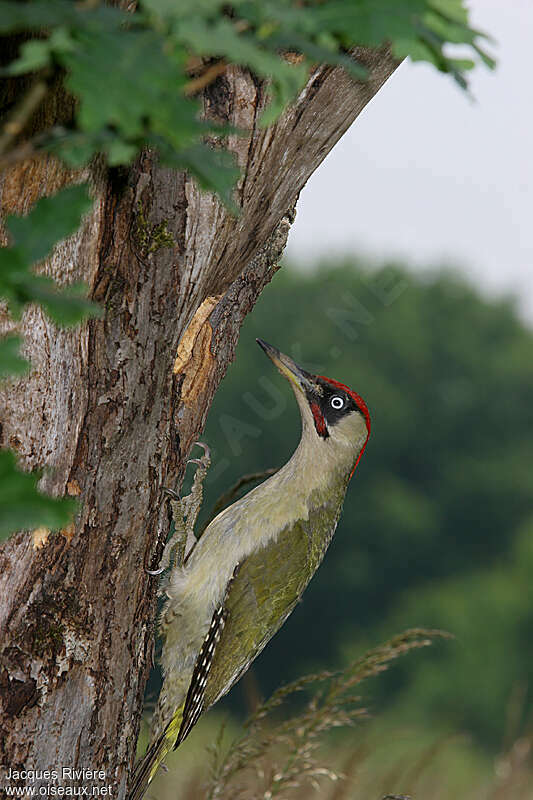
22 505
32 240
133 75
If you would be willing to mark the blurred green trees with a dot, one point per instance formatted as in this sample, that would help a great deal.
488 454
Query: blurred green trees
437 525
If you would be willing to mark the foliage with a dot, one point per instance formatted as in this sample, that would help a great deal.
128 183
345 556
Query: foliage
22 505
441 498
11 362
144 61
32 239
133 77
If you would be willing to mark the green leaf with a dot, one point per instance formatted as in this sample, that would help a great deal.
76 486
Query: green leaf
213 169
76 148
13 268
185 9
487 59
222 39
11 363
34 55
369 22
16 16
119 152
452 9
448 30
50 221
146 78
23 506
318 53
416 50
37 15
67 305
38 53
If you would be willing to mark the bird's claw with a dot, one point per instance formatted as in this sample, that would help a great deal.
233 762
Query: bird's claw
184 514
205 448
154 571
171 493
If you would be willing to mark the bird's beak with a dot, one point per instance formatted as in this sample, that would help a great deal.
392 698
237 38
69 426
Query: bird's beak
300 379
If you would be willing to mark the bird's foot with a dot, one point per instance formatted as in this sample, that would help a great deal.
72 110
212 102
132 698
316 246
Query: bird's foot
185 511
193 502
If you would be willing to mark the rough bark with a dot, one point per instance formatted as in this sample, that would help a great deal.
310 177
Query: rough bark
112 408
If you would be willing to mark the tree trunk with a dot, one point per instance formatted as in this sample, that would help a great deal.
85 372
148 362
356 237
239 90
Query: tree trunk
112 408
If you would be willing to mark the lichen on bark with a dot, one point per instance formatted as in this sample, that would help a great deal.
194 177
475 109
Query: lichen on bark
150 238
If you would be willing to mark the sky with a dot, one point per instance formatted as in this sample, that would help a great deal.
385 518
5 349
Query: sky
432 176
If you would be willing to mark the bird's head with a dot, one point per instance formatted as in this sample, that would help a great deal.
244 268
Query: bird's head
332 414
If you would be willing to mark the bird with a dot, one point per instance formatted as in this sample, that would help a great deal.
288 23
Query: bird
237 584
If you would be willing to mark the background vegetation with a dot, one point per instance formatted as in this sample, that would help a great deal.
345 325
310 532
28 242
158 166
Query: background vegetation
437 526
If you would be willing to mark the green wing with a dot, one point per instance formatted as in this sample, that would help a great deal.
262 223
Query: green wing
263 593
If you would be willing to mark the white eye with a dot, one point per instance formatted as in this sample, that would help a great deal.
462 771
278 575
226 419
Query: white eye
336 402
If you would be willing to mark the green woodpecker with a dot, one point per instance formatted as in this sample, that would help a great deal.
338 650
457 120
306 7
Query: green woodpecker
239 582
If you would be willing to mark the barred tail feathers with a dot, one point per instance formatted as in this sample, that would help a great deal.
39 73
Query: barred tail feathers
146 768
